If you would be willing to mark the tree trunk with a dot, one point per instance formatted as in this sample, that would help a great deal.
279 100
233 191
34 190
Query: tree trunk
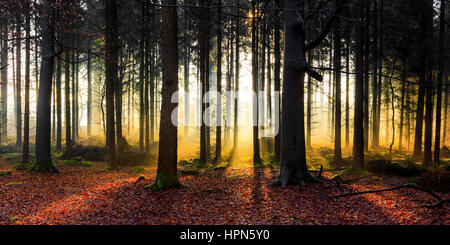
58 106
256 154
111 60
337 65
141 81
219 85
26 119
166 176
277 84
67 100
358 129
375 142
427 32
4 84
43 161
236 79
293 168
437 142
402 110
18 84
89 100
203 56
366 73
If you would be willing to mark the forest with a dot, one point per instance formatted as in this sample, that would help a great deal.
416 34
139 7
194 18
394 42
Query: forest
224 112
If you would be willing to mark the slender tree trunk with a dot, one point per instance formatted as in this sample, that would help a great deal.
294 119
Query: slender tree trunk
89 100
277 84
358 129
219 84
74 89
366 74
67 100
375 142
427 31
111 60
203 56
337 65
141 81
236 79
402 110
26 119
347 85
43 161
58 106
256 154
4 84
18 83
437 142
147 65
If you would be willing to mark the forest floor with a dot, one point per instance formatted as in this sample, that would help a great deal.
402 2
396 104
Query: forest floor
233 195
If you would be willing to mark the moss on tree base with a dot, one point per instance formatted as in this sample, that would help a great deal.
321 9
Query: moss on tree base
49 168
165 181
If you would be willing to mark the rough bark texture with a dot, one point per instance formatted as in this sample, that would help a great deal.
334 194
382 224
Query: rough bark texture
4 84
219 85
293 168
337 65
358 135
110 75
43 161
166 176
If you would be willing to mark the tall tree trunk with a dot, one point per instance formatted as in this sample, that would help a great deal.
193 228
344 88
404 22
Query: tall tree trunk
277 84
337 65
347 84
67 100
203 54
43 161
293 168
358 125
427 31
375 142
74 89
89 100
437 142
141 81
256 154
366 73
236 79
219 84
18 83
148 60
402 110
58 106
4 83
111 59
26 119
166 176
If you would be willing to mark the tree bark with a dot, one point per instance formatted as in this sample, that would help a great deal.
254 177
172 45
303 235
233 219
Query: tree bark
337 65
358 129
43 161
111 60
167 158
219 84
18 83
26 119
437 142
293 168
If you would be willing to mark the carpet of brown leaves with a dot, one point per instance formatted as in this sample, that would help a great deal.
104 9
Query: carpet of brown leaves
92 195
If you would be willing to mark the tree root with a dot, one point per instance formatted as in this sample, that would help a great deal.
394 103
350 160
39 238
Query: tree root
438 204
